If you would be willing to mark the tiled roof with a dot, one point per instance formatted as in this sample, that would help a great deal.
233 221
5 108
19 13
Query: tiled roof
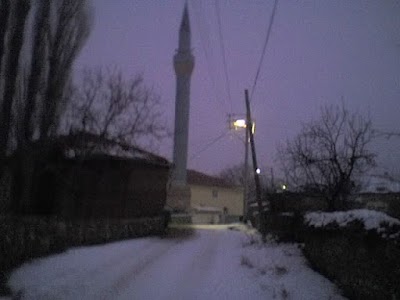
198 178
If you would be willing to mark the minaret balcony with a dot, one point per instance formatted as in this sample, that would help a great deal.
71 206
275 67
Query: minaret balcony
183 63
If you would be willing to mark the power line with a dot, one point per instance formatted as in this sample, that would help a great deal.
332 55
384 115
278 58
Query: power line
205 43
223 52
208 145
271 21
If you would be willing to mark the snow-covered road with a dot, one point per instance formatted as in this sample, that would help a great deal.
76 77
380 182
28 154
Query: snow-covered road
212 264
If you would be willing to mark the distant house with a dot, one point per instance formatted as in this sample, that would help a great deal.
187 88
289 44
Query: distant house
379 192
380 184
213 200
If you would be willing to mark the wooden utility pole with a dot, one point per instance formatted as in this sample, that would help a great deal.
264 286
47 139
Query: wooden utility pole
246 175
249 125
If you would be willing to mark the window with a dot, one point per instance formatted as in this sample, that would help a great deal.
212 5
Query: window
215 193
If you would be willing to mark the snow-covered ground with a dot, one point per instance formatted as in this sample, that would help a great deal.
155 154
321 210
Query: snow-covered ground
371 219
215 263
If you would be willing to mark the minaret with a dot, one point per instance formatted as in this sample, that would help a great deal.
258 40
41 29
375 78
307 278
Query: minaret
183 64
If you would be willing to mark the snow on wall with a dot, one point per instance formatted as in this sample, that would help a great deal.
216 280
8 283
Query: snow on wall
372 220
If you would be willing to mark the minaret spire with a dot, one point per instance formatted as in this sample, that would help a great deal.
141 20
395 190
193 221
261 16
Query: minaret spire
184 31
183 64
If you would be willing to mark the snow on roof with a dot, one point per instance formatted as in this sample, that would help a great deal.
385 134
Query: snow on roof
255 204
370 218
256 211
87 144
111 150
207 209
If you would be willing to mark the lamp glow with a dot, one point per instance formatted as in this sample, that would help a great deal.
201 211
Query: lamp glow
241 123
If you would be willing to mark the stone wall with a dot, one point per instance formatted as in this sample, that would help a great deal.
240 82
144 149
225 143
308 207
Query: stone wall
26 238
362 263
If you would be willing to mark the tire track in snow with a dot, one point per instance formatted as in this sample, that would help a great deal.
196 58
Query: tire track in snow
169 276
183 273
110 279
207 266
72 279
150 257
195 274
112 263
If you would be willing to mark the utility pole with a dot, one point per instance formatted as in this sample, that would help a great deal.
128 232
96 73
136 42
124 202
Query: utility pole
249 123
246 174
272 180
235 124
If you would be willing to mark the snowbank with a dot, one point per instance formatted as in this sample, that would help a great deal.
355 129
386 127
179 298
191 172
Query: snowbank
372 220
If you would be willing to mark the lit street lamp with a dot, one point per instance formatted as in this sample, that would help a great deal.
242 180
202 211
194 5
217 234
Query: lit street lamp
238 124
241 123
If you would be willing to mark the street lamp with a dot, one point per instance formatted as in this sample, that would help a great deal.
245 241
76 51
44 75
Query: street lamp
241 123
238 124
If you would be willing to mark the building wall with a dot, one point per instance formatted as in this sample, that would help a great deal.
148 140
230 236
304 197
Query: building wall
104 188
220 197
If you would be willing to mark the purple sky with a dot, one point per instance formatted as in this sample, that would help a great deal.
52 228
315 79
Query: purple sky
319 53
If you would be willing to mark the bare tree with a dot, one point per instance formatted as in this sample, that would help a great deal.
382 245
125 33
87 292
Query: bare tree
234 175
123 110
16 39
40 47
72 26
35 83
329 153
5 8
59 30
